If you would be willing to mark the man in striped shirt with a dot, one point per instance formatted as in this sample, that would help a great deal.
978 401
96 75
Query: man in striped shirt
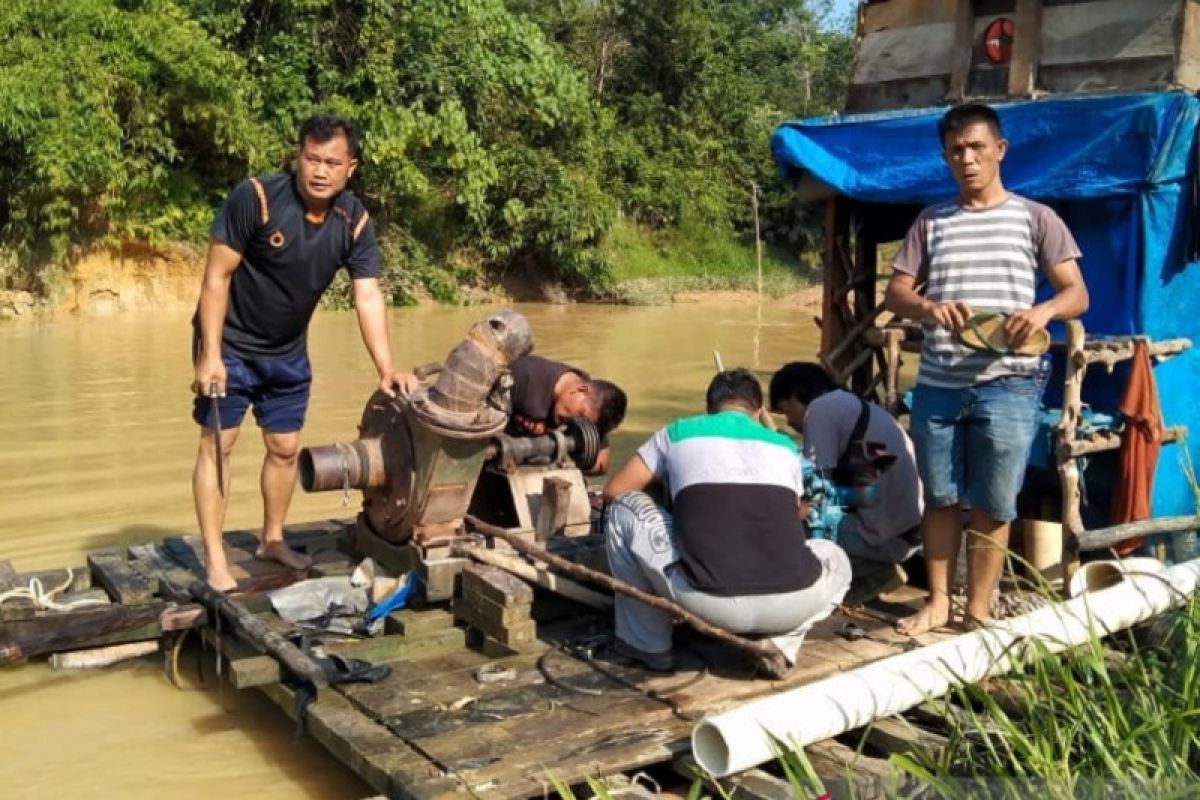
734 550
973 412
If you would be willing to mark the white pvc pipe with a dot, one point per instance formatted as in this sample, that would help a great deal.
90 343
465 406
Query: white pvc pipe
741 738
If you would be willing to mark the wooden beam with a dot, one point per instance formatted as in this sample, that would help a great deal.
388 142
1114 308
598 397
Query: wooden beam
866 261
24 639
1027 46
1111 440
125 585
1111 351
833 321
964 36
1068 467
1102 538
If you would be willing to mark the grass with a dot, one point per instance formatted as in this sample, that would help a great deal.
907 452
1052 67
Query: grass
650 267
1119 717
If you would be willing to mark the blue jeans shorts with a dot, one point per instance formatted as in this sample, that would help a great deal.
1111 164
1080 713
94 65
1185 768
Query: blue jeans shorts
973 444
277 388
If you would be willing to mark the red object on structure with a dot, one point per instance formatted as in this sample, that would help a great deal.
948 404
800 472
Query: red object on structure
1140 443
998 40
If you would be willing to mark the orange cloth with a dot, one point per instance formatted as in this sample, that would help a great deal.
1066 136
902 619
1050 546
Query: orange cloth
1140 442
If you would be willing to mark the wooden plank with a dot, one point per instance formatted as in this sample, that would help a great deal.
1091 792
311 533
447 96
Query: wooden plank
496 585
960 53
28 638
367 748
388 649
1027 46
846 774
1109 30
898 735
409 621
1187 57
125 585
491 614
896 54
14 607
752 784
554 508
81 577
906 13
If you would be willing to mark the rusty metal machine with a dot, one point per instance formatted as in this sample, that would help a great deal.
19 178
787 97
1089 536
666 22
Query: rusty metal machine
426 462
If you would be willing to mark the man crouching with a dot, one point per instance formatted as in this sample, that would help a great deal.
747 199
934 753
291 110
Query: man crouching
734 550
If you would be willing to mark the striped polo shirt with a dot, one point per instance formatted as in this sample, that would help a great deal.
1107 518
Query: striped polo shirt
989 259
736 489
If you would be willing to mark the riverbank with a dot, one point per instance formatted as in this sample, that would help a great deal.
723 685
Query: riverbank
647 269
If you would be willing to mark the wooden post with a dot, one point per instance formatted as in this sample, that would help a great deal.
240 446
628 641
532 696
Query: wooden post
554 507
892 338
866 258
960 66
834 322
1027 47
1068 466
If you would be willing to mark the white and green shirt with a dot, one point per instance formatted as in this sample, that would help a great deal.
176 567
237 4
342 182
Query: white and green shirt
736 489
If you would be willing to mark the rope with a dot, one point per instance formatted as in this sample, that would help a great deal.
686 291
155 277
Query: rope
44 600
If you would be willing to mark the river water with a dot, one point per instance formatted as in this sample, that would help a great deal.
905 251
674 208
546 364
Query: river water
96 450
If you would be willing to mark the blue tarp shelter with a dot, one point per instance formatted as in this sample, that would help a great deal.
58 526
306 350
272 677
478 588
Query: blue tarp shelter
1121 170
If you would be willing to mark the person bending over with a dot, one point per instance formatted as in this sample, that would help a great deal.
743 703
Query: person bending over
879 536
545 394
734 550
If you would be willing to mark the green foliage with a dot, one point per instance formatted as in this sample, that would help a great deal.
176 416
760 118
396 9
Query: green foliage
496 134
1091 722
117 120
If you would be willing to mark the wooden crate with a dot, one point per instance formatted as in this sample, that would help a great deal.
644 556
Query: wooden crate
920 53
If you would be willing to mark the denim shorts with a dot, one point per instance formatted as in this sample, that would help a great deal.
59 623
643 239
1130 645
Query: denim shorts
277 388
973 444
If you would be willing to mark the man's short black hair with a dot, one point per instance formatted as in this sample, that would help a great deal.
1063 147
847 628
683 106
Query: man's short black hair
733 384
802 381
324 127
611 402
959 117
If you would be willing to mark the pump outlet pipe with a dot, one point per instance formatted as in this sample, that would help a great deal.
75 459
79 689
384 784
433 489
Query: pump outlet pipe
741 738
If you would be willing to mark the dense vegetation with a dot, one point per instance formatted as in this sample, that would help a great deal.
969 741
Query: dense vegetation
499 136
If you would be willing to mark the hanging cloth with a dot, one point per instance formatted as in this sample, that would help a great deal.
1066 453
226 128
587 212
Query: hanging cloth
1140 442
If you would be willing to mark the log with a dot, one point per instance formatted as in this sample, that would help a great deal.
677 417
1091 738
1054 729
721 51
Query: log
71 630
256 632
1111 351
1111 440
1068 467
540 577
102 656
768 655
1102 538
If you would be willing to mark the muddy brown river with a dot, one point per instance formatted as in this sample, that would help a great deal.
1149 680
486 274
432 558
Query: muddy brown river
96 450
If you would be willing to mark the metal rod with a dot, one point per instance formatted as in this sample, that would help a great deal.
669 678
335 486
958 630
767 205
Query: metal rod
769 656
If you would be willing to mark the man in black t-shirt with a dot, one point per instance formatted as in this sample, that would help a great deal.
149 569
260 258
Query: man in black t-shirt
276 244
545 394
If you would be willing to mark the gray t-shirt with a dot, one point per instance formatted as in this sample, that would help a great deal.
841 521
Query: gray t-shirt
988 259
827 429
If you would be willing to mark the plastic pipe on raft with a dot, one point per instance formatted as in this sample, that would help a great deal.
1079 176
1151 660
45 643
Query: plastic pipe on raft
741 738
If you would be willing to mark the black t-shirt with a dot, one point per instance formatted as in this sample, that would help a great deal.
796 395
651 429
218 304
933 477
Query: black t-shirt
287 262
534 378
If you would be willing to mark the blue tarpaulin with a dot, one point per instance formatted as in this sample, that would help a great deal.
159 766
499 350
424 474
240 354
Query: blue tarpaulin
1121 170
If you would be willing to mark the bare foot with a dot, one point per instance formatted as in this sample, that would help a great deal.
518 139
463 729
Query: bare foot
221 580
929 617
281 553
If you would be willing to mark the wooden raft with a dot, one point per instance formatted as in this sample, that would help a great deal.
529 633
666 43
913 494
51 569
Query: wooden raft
474 702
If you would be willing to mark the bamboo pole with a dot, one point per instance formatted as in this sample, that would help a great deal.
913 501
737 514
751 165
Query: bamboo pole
103 656
768 655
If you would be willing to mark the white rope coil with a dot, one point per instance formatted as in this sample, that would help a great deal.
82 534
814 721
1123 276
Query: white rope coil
45 599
